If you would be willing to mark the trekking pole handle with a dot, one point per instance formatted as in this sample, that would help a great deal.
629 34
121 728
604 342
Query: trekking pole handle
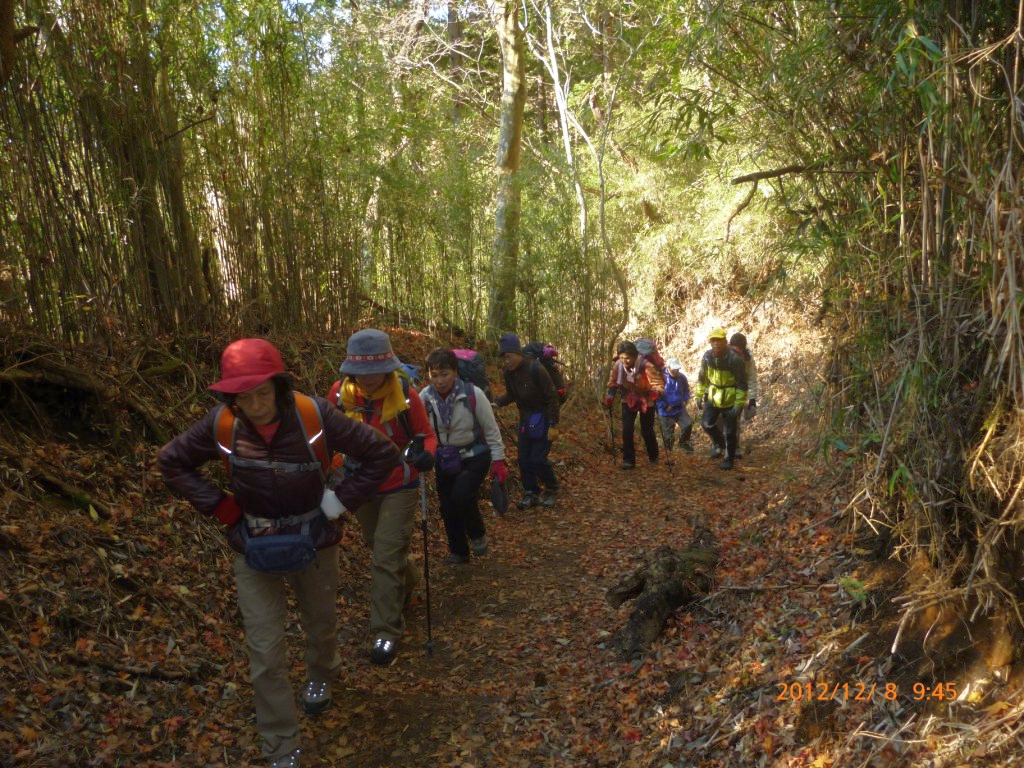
415 446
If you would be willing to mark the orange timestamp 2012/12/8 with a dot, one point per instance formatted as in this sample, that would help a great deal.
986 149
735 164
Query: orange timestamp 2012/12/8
822 691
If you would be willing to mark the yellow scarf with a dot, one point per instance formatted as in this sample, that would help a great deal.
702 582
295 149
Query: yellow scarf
389 395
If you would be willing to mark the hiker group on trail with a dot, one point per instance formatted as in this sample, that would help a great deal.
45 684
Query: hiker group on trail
296 463
646 384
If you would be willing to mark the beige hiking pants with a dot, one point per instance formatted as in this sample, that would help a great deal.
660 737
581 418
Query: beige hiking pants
387 523
263 600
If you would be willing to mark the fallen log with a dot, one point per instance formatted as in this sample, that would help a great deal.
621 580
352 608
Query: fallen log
668 579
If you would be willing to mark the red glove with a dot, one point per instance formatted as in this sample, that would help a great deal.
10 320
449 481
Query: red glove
608 400
499 470
228 511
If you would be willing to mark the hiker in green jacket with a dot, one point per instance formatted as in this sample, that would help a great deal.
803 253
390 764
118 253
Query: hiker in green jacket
722 388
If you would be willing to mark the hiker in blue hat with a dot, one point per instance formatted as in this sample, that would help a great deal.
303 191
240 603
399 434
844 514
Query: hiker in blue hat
373 392
529 386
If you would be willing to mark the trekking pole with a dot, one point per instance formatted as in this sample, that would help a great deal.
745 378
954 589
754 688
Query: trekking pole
426 561
417 445
611 425
664 440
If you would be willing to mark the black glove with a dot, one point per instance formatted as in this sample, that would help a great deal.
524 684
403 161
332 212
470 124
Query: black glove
422 460
736 410
752 403
700 403
418 456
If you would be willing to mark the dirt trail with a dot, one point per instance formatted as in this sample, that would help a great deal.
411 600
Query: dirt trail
121 644
522 672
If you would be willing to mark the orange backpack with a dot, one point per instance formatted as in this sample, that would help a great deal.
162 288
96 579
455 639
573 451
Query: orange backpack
226 425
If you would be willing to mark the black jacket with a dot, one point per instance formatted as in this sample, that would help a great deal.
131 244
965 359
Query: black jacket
530 387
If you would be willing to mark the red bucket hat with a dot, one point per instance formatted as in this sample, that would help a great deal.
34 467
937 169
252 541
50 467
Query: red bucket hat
246 364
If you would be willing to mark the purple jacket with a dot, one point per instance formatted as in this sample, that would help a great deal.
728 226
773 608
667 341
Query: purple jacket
269 493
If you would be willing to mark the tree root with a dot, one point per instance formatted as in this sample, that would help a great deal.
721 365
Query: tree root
47 369
669 579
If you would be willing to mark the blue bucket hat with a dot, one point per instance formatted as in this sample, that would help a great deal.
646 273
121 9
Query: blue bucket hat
369 351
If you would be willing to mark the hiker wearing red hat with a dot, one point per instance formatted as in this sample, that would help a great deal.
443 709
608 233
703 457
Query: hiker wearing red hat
275 444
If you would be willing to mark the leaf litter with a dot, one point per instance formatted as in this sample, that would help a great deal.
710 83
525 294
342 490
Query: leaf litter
121 642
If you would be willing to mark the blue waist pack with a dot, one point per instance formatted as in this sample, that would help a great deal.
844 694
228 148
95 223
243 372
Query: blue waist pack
535 427
275 552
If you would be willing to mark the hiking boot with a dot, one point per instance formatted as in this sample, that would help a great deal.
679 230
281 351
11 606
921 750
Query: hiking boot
291 760
453 559
316 697
383 652
627 465
717 451
529 500
726 463
687 448
479 546
547 499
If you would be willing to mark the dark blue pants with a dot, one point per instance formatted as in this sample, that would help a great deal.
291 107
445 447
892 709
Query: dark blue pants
459 496
646 431
534 465
730 442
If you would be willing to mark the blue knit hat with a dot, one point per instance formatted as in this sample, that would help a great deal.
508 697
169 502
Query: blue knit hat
510 343
369 351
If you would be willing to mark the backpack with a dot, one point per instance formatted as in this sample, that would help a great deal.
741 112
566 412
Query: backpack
409 372
545 354
225 426
648 350
403 417
472 369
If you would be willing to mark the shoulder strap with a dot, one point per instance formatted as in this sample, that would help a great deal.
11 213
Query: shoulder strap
535 370
313 427
224 426
403 416
471 404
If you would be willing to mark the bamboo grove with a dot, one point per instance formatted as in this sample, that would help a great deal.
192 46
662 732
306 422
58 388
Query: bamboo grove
175 168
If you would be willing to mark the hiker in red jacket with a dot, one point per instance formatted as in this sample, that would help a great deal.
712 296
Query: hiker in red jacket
640 384
372 392
275 443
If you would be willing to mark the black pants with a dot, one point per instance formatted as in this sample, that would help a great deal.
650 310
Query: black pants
646 431
460 502
534 465
730 442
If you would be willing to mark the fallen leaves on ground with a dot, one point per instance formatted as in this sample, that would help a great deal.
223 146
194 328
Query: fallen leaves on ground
122 643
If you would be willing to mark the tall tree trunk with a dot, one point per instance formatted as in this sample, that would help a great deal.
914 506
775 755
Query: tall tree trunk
172 179
454 58
505 261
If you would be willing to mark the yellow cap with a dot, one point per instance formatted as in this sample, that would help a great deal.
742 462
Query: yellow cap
717 333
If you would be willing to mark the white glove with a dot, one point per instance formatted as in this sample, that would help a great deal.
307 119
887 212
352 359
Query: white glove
331 505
